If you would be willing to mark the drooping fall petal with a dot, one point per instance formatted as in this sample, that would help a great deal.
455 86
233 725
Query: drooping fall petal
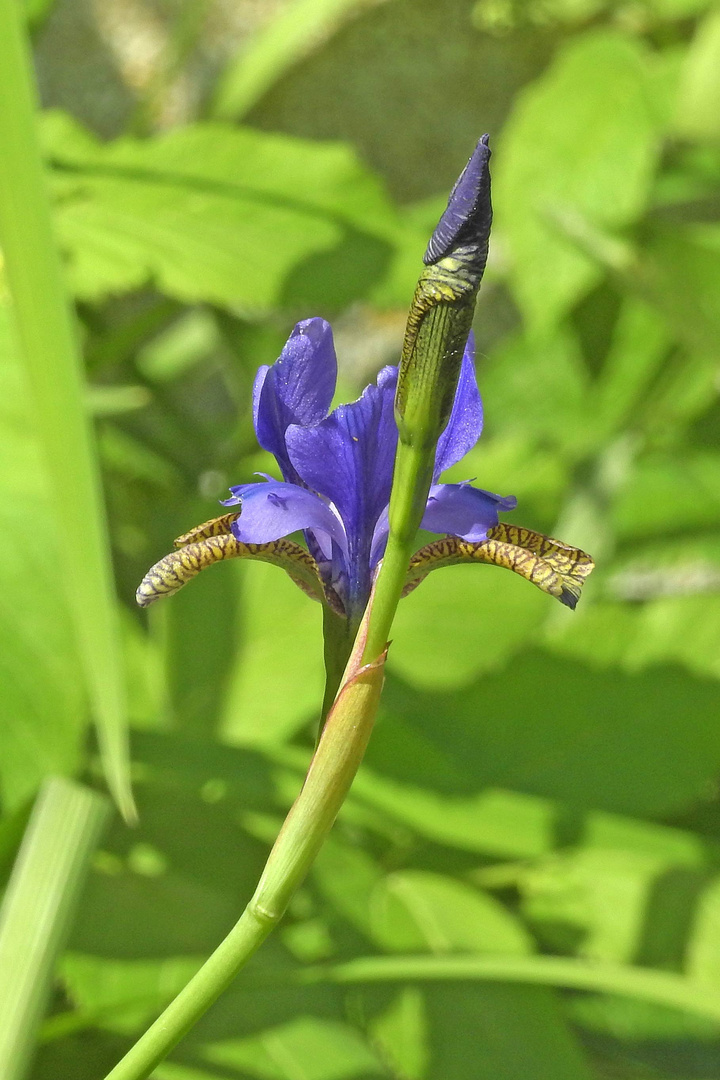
553 566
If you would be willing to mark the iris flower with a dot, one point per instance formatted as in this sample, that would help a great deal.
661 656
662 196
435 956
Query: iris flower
337 472
337 469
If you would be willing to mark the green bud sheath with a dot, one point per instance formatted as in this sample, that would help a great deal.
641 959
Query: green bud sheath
435 337
443 306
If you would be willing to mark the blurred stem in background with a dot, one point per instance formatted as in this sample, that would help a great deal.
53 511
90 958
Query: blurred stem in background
38 907
55 381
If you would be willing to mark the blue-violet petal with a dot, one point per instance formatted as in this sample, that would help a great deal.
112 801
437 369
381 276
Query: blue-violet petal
296 389
466 419
349 457
273 509
465 511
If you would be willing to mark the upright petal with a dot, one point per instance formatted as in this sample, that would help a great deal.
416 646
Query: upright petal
466 419
348 458
462 510
296 389
271 510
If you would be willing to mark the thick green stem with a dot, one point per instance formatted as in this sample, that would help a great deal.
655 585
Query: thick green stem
411 483
436 333
204 988
332 770
432 354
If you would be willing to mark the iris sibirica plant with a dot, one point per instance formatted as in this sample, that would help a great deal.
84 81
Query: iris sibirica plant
356 485
337 474
340 468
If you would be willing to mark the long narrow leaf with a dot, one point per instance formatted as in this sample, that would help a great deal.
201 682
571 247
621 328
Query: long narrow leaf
37 909
46 335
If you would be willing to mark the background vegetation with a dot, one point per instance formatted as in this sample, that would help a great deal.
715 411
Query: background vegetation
541 783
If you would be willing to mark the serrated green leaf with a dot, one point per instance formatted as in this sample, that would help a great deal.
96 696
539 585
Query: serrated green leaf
206 212
191 245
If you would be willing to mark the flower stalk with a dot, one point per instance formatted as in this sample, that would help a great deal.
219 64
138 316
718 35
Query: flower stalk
332 770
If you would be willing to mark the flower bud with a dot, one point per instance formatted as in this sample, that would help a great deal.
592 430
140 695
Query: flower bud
443 306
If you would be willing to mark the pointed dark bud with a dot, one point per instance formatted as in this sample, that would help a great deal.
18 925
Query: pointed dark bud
468 217
442 310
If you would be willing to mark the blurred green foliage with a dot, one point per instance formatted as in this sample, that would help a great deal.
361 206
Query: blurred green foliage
540 782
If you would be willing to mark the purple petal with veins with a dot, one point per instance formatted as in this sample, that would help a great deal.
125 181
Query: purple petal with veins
297 389
271 510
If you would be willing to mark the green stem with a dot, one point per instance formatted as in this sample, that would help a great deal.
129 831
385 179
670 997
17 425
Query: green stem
332 770
204 988
411 483
37 909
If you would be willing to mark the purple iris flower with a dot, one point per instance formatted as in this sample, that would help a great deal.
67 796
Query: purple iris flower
337 469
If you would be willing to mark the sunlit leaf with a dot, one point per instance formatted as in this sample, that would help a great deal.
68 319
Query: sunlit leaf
243 206
44 711
698 104
583 138
120 995
38 909
276 685
312 1048
414 910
